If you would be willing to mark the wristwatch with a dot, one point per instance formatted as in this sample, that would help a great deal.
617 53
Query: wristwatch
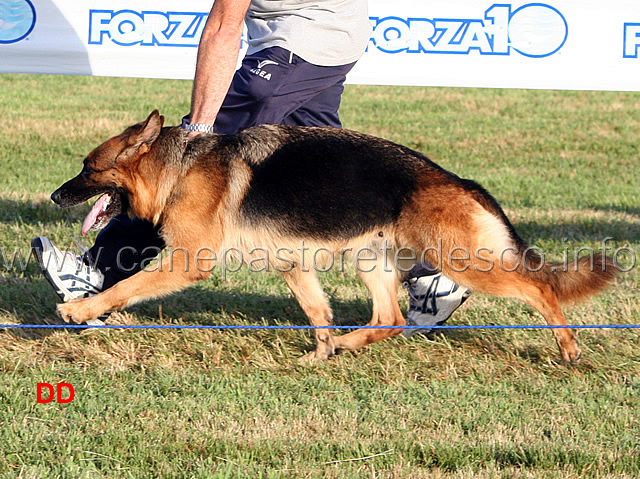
202 128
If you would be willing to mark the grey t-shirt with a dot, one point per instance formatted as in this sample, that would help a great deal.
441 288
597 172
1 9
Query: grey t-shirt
322 32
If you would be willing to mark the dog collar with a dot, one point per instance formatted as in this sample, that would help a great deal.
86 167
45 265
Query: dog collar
202 128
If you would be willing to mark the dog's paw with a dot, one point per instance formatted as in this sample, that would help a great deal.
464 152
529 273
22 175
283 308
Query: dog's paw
77 311
309 359
322 352
570 352
571 357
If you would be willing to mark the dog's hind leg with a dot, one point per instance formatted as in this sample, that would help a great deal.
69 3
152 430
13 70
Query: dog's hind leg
539 295
383 285
307 290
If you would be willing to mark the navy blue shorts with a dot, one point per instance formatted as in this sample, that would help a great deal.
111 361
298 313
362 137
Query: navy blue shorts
272 86
277 86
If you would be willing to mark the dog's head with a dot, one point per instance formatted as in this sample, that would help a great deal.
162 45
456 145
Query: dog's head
109 171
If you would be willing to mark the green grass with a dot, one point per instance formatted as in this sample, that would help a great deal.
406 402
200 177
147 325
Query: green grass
457 404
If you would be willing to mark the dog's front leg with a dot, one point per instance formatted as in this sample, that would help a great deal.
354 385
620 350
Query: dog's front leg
173 274
305 287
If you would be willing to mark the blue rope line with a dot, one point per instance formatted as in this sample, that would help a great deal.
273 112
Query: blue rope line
175 326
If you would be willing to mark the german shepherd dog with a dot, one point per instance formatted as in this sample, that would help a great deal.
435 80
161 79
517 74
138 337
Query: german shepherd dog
270 187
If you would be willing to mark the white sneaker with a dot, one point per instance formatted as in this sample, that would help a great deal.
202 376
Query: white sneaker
432 300
67 272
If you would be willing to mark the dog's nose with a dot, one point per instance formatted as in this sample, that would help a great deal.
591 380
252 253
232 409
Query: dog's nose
55 196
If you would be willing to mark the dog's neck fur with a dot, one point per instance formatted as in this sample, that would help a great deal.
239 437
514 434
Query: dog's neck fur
157 184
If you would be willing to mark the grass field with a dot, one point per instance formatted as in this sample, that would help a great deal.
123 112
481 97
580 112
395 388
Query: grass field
236 404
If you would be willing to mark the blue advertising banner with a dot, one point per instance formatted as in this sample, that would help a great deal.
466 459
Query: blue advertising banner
557 44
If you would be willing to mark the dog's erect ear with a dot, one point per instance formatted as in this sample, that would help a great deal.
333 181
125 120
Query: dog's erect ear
148 130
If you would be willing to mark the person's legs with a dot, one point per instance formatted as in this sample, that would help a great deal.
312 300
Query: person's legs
121 249
124 247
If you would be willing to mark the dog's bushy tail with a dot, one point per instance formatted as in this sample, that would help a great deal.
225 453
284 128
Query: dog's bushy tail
572 281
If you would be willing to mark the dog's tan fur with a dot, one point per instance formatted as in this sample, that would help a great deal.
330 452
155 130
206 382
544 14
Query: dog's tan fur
200 196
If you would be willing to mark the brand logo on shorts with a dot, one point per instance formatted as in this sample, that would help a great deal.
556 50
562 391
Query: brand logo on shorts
259 70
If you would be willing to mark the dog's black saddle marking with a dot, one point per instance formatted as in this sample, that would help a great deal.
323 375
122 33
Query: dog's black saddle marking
328 184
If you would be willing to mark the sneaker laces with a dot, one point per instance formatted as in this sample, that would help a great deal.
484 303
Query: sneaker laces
425 303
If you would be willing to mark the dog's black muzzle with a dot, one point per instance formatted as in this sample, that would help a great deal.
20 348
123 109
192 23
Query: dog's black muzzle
74 192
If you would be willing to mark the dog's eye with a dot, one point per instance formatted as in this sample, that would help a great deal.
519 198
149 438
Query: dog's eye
86 169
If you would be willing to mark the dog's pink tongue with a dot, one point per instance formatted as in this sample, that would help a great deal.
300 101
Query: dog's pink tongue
98 208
